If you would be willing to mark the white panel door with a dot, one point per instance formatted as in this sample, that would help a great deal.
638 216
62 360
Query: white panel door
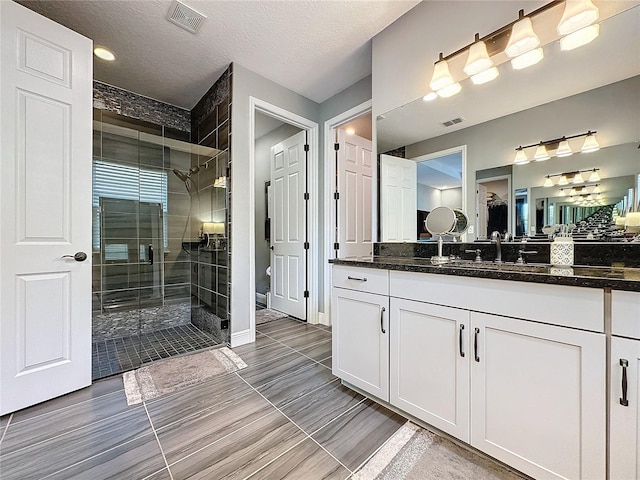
355 185
429 364
538 395
45 212
625 409
288 219
399 202
361 340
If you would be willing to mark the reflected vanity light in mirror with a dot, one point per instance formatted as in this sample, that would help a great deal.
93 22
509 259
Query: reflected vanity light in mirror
590 143
449 91
580 38
548 182
541 154
521 157
564 150
577 178
430 96
527 59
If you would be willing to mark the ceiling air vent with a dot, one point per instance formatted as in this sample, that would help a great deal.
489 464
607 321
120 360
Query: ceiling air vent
185 17
453 121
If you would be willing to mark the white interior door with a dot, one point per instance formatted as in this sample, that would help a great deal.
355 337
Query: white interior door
399 202
288 226
481 211
45 208
355 186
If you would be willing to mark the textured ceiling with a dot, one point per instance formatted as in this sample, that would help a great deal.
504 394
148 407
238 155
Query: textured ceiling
314 47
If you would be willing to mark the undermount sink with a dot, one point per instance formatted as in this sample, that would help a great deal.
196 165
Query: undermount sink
512 267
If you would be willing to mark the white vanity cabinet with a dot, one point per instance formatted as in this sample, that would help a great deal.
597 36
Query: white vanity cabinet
429 364
360 312
624 397
538 397
518 370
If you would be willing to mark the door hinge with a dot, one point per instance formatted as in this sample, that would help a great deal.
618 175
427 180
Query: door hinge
306 294
336 146
306 147
336 196
336 246
306 195
306 245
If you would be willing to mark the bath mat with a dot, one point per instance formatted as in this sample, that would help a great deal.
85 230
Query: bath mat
267 315
166 376
414 453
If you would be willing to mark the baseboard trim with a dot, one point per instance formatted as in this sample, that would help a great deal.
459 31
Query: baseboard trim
323 319
242 338
261 298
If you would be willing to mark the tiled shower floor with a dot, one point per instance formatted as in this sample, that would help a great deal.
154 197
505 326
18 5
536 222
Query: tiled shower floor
126 353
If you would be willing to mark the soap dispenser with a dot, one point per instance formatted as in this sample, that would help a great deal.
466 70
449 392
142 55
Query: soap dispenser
562 248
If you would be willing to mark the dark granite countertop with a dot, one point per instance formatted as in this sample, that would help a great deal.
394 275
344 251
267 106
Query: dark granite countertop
617 278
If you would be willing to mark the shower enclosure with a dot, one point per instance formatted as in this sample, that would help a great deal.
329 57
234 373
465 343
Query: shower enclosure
146 241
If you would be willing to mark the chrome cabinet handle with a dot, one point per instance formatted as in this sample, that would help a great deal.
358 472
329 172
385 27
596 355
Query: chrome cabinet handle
363 279
382 320
475 344
460 340
78 256
624 401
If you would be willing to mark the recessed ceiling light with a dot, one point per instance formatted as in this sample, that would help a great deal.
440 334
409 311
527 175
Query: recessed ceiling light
104 54
350 131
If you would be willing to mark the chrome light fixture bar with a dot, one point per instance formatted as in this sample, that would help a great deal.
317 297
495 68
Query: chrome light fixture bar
560 145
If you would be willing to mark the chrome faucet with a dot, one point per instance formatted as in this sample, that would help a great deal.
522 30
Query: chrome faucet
495 238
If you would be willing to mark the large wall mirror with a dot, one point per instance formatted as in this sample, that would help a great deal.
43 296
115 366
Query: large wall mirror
593 88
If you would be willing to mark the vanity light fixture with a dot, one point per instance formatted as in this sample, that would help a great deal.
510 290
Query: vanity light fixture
590 143
596 190
577 178
594 177
558 147
577 25
449 90
548 182
523 43
521 157
564 150
479 66
430 96
541 153
442 78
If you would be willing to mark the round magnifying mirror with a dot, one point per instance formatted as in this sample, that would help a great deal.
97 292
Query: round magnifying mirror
461 225
440 221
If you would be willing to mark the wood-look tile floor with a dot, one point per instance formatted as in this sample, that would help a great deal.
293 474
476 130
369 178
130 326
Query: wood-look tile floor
284 416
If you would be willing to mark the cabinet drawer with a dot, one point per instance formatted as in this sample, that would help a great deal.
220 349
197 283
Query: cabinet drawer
625 314
562 305
361 279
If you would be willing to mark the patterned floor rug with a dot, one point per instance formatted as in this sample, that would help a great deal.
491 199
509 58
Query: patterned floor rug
414 453
265 315
166 376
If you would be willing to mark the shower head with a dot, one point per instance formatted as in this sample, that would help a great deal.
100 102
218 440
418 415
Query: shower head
181 175
184 176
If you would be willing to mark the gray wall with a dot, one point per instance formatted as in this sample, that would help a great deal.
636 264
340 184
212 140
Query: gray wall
263 174
249 84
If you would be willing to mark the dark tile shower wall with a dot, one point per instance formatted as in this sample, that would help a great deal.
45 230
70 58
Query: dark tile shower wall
210 272
120 289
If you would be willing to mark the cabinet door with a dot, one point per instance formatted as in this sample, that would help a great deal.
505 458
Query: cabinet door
361 340
429 364
538 397
625 414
